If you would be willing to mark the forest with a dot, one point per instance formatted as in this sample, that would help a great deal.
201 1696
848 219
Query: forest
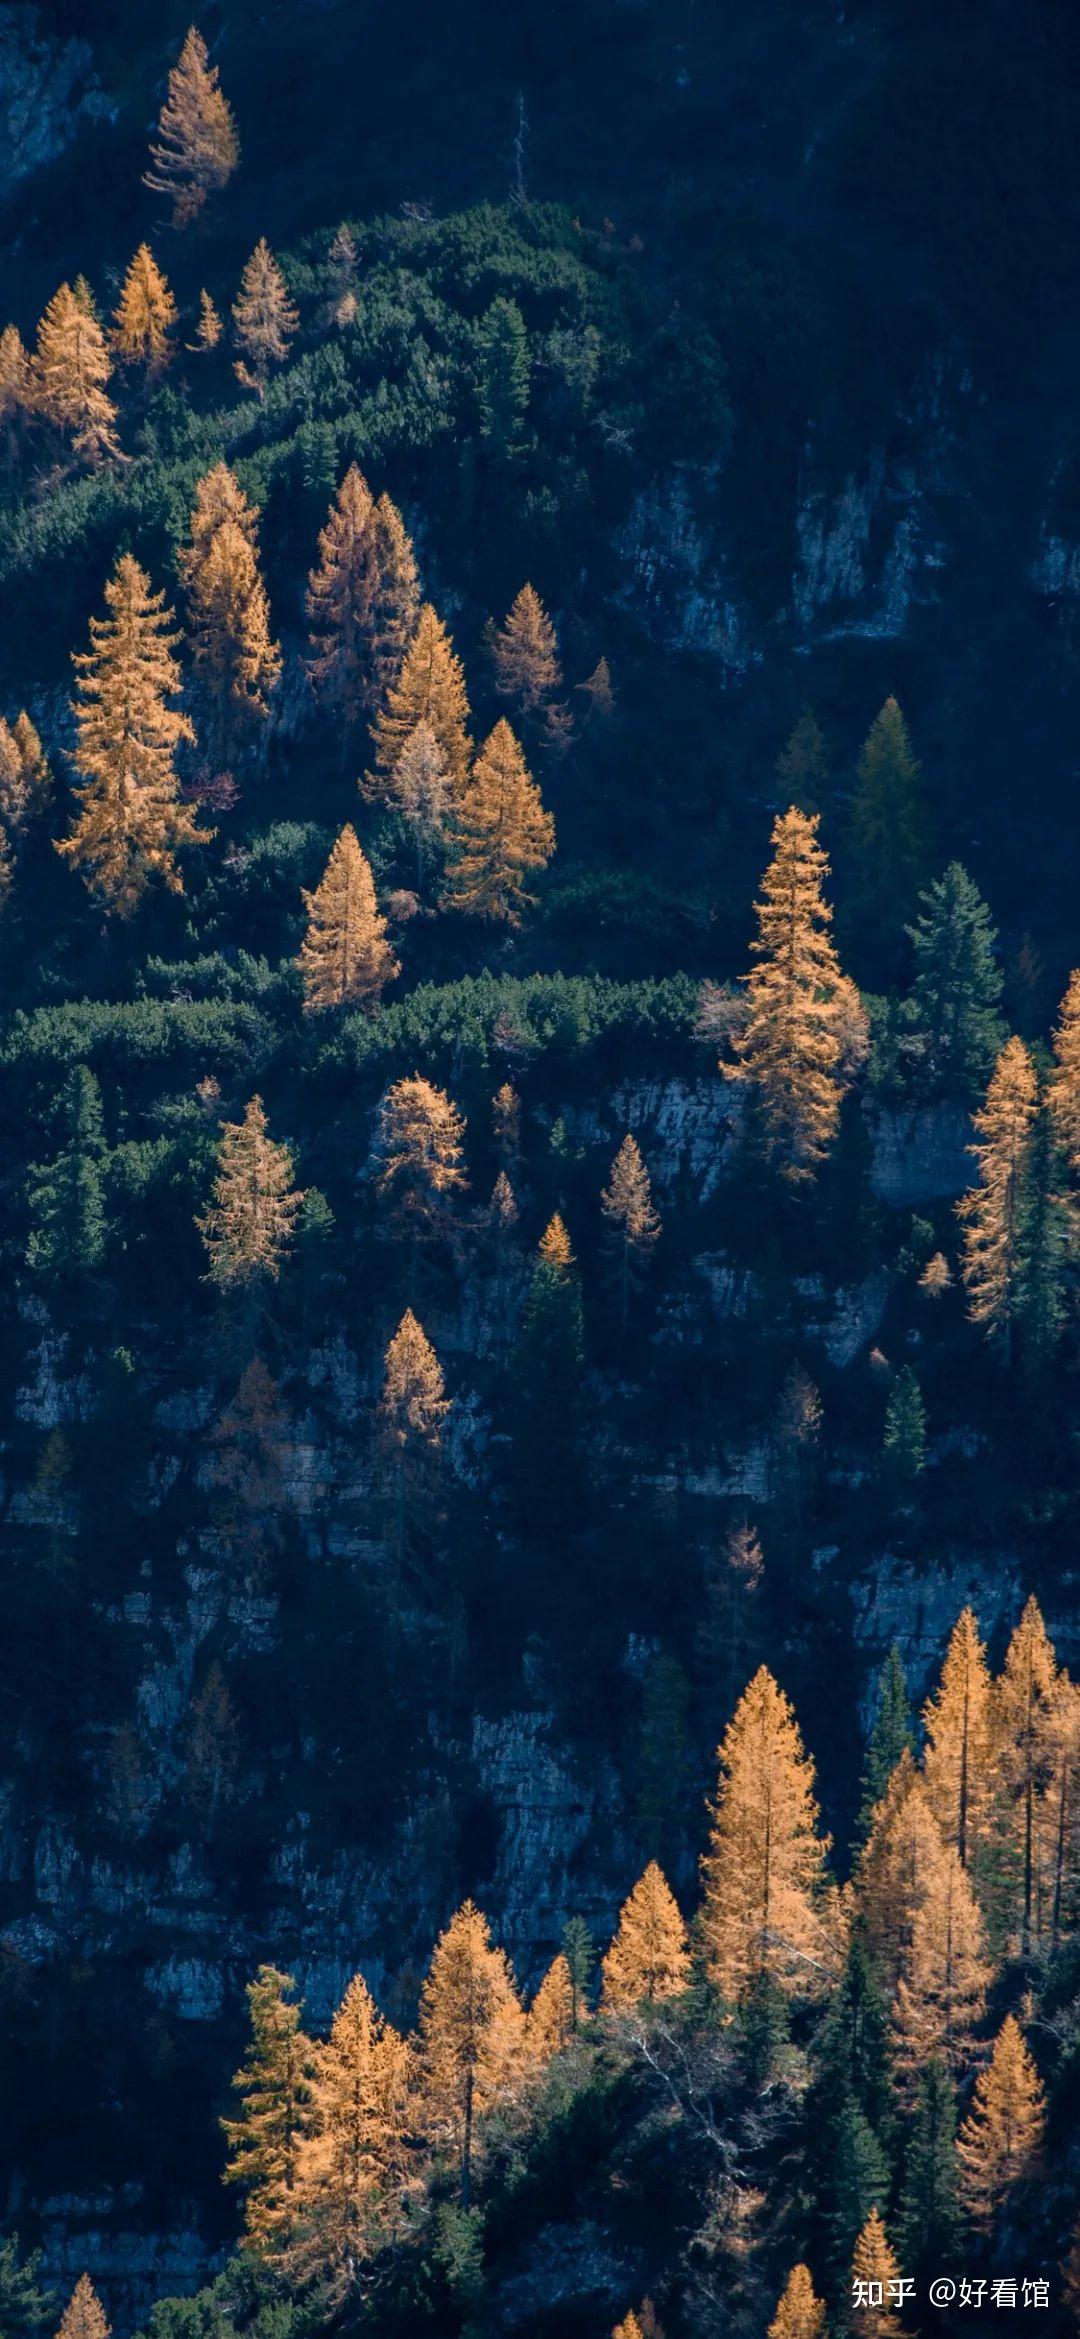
540 1203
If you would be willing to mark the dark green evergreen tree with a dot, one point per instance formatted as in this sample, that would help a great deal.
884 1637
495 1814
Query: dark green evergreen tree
503 375
888 836
1046 1248
891 1734
905 1431
930 2225
763 2030
802 767
24 2308
851 2175
66 1196
579 1950
663 1760
853 2053
952 1029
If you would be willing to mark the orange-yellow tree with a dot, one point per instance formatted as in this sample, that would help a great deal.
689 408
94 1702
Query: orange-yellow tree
766 1906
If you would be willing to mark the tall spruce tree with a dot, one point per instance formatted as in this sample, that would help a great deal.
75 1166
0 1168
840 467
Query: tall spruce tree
69 1219
503 376
24 2308
889 834
273 2086
891 1733
953 1027
929 2223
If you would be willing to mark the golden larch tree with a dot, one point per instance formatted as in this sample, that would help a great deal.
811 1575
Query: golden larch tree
632 1223
1001 2138
550 2022
145 315
354 2142
993 1213
345 958
25 778
197 149
251 1221
264 320
1065 1085
899 1860
218 497
874 2270
16 399
237 661
649 1958
766 1908
362 599
525 655
1022 1704
800 2313
1058 1816
69 371
419 1155
942 1988
429 688
499 834
960 1766
84 2316
412 1411
274 2087
209 327
803 1031
420 789
471 2037
131 822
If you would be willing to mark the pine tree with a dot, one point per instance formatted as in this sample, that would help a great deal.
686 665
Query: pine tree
500 832
764 1871
418 1157
345 958
888 826
1002 2135
951 1013
249 1227
853 2052
69 371
550 2022
352 2150
800 2314
264 320
145 315
959 1766
24 2309
803 1025
525 655
649 1958
580 1955
274 2090
210 328
905 1430
84 2315
942 1989
1022 1705
850 2175
197 148
429 688
802 767
362 599
503 376
902 1853
69 1222
928 2224
994 1213
891 1734
874 2275
236 659
632 1223
131 823
471 2037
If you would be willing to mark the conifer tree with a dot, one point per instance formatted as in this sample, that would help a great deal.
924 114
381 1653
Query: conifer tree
951 1012
803 1028
905 1430
352 2149
345 958
84 2315
960 1766
649 1958
131 822
629 2328
802 767
429 688
599 692
994 1214
273 2086
218 497
69 1223
499 834
1065 1086
942 1990
733 1575
471 2037
419 1157
362 599
928 2224
145 315
24 2309
420 789
69 371
264 320
550 2021
244 1471
249 1227
552 1326
237 661
580 1955
1002 2135
25 779
210 328
874 2271
197 149
890 1736
525 655
15 391
662 1757
1022 1704
632 1223
902 1853
888 824
800 2313
1059 1813
764 1872
412 1410
503 376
